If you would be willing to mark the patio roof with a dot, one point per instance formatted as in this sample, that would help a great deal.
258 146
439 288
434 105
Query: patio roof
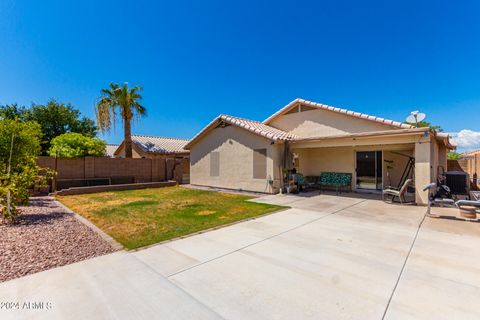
368 134
440 136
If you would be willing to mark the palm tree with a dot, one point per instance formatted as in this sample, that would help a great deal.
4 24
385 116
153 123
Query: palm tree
123 101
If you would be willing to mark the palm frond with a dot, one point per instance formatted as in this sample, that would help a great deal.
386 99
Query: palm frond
119 101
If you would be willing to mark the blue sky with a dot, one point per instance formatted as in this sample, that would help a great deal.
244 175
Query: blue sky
197 59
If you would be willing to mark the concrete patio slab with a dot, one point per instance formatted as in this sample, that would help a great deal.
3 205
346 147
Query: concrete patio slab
326 258
115 286
178 255
441 278
330 268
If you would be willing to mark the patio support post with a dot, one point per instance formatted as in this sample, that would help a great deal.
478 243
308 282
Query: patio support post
423 165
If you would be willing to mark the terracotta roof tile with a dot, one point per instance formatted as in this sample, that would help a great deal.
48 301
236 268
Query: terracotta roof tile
259 128
160 144
253 126
110 150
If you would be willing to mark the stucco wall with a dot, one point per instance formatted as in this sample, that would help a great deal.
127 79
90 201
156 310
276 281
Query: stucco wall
442 156
314 161
316 123
235 147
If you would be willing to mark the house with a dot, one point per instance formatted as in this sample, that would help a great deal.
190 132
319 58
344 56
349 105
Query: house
110 150
470 163
155 147
238 153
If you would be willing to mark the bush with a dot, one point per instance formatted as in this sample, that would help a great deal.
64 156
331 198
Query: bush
452 155
19 148
76 145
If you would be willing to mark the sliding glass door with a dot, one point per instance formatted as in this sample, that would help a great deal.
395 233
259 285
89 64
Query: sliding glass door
369 170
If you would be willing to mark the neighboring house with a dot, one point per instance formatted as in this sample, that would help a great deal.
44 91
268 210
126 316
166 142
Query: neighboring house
110 150
155 147
237 153
470 154
470 162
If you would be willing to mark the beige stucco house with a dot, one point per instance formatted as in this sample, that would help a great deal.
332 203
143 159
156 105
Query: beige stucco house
237 153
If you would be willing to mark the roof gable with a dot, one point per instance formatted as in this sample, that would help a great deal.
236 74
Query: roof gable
110 150
255 127
306 105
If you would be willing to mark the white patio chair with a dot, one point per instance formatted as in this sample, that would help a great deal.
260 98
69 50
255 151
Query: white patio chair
396 193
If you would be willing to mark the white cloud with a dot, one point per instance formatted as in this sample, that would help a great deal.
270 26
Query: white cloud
466 139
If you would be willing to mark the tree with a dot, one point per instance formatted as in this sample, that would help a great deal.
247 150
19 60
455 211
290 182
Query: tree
19 148
12 111
55 118
453 155
76 145
120 101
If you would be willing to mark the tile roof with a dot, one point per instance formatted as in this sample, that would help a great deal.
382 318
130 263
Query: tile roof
110 150
259 128
256 127
338 110
159 144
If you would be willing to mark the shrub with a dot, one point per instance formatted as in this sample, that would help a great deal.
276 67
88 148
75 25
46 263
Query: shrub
19 148
452 155
76 145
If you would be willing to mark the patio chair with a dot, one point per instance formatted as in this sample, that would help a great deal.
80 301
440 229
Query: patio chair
396 193
311 182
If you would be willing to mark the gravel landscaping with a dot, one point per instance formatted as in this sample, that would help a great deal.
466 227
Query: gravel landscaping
44 237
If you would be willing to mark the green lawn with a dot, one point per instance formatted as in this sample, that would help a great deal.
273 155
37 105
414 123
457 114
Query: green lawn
138 218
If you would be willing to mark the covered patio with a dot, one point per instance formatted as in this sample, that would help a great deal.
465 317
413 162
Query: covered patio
375 160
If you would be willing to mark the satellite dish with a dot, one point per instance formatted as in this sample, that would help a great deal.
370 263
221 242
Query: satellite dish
416 117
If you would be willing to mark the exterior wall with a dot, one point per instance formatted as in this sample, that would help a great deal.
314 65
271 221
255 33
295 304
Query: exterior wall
434 160
317 123
235 147
442 156
314 161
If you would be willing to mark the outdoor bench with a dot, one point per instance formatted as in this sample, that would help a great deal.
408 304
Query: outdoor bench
336 180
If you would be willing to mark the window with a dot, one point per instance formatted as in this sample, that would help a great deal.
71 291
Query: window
214 164
260 164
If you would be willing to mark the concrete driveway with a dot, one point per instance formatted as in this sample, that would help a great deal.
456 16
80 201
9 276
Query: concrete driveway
328 257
